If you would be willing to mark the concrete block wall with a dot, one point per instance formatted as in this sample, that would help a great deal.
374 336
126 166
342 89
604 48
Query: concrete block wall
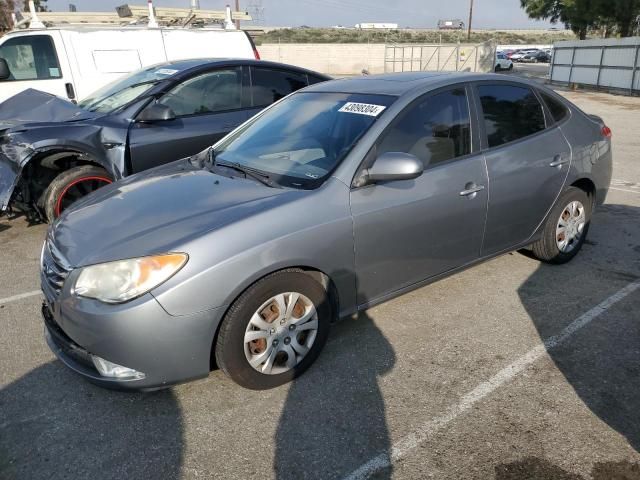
352 58
330 58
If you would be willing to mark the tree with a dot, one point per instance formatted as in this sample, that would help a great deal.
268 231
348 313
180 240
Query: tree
6 7
613 16
623 13
578 15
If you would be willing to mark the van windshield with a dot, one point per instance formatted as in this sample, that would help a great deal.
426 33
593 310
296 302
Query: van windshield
124 90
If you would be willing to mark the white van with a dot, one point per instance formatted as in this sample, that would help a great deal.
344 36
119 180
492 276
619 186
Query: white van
75 61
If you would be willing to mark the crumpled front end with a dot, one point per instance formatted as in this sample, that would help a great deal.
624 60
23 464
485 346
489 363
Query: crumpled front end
10 170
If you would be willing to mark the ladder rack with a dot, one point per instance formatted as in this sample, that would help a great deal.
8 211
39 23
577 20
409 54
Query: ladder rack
131 15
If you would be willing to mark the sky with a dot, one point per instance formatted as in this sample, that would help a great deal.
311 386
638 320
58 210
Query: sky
505 14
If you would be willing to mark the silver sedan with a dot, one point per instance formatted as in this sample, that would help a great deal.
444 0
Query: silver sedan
339 197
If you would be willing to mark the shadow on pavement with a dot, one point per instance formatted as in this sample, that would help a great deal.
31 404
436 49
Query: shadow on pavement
333 419
601 362
54 424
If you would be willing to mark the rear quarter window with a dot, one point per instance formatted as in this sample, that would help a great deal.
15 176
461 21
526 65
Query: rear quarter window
558 110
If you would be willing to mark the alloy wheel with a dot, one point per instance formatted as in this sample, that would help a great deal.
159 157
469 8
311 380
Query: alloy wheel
280 333
570 226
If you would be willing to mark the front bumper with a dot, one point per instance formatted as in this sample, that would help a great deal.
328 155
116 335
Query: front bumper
140 335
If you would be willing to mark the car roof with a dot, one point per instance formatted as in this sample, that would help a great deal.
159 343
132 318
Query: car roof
398 84
192 65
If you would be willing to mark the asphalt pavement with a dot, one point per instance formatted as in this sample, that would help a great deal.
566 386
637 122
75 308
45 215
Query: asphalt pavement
508 370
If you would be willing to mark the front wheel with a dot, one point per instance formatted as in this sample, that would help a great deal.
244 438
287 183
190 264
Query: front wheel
497 69
510 67
566 228
274 331
70 186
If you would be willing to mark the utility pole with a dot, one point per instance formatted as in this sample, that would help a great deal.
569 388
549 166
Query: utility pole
470 19
237 10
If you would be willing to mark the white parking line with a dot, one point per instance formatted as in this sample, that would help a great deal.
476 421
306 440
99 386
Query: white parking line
20 296
625 190
411 441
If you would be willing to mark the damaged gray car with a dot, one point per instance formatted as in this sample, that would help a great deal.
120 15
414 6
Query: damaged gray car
53 152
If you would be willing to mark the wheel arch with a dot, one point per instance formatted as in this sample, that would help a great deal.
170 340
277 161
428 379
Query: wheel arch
586 185
318 275
39 170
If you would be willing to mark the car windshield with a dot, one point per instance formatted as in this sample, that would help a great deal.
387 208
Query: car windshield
124 90
299 141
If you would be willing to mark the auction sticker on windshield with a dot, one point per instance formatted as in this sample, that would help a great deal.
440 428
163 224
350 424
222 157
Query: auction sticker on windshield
362 108
166 71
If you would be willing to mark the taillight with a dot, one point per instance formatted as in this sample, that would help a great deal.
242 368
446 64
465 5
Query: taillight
606 132
255 53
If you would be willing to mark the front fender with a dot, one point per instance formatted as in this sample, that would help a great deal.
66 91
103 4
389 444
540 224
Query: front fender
22 148
9 176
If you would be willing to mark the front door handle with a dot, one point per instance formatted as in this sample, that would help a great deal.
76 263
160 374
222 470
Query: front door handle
558 161
471 189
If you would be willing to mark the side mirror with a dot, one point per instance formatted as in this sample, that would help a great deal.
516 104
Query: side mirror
393 166
156 112
4 69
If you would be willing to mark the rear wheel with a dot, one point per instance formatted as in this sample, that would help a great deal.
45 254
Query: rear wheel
566 228
511 67
70 186
274 331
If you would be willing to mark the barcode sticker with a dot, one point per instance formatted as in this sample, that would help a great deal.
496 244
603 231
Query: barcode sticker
362 109
166 71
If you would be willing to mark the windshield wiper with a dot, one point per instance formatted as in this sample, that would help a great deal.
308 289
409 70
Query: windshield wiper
249 172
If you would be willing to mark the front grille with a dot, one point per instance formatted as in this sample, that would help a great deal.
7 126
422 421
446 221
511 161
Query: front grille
54 268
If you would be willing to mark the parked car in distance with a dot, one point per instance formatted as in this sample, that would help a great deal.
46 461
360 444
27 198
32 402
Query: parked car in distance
536 57
520 54
74 61
53 152
339 197
503 63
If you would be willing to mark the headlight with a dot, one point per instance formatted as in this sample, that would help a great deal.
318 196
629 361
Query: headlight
117 282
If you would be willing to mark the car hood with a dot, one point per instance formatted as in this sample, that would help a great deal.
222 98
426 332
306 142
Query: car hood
34 106
158 211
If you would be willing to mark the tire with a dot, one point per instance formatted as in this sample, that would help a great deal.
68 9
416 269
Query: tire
233 352
497 69
548 248
70 186
510 67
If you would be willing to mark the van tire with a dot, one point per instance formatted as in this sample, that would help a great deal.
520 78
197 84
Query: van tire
70 186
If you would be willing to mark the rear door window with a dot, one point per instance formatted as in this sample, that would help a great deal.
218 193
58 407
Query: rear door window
510 113
435 130
31 57
270 85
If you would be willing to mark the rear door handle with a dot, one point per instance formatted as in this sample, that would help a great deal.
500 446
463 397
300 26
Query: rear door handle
471 189
558 161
